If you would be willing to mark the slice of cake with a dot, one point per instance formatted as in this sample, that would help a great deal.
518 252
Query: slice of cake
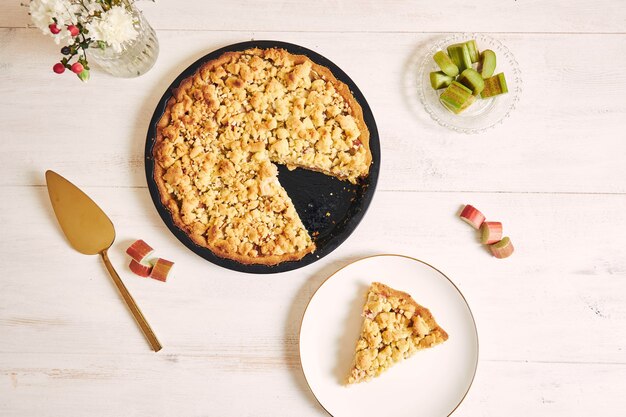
394 328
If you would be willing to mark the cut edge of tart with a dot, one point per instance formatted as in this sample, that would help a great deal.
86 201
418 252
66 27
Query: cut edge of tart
394 327
218 139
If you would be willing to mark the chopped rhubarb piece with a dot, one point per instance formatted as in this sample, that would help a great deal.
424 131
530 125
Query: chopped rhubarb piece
139 251
494 86
456 97
487 63
440 80
460 56
502 249
161 269
471 79
140 269
490 232
473 50
472 216
446 64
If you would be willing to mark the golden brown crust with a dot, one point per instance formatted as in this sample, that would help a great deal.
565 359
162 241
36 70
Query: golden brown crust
170 150
420 310
264 260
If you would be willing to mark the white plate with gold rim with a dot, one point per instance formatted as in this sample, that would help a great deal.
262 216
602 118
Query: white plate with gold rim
431 383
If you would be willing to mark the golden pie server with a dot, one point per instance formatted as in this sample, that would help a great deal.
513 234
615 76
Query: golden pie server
91 232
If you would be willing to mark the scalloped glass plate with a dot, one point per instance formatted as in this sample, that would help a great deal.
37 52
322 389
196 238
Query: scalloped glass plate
483 114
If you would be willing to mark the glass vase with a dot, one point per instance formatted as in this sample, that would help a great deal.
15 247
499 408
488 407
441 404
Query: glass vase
136 57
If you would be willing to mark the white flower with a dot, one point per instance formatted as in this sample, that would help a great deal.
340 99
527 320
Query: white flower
43 13
113 27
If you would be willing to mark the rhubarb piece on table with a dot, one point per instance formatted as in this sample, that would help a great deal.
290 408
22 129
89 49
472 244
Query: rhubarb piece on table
139 251
472 216
487 63
446 64
140 269
473 50
502 249
472 80
490 232
161 269
494 86
440 80
460 56
456 97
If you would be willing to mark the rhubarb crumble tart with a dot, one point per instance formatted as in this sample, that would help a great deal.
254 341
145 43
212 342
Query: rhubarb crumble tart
224 129
394 328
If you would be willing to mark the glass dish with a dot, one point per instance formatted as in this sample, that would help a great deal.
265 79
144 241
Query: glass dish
137 56
482 114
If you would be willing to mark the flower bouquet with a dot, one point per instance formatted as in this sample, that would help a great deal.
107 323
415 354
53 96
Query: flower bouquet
82 24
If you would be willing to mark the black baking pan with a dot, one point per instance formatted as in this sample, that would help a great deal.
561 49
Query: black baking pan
329 208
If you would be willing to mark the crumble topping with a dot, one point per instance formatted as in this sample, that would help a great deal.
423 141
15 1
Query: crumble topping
394 328
225 126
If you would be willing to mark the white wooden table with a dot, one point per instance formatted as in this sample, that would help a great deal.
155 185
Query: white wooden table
551 319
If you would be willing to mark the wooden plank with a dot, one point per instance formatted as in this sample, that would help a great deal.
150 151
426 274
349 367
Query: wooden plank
573 16
562 138
558 298
158 385
556 389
